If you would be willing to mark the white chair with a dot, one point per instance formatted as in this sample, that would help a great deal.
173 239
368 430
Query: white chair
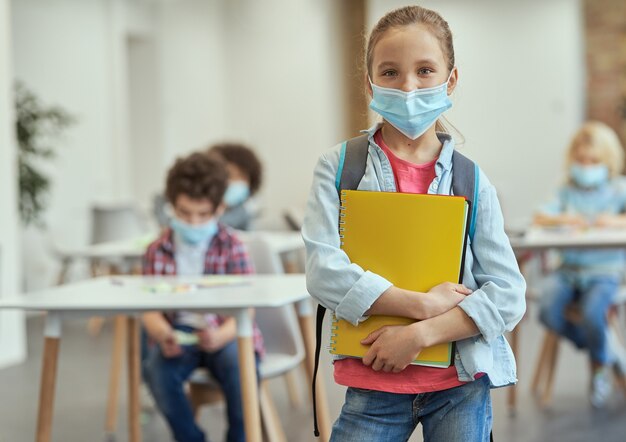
283 343
284 352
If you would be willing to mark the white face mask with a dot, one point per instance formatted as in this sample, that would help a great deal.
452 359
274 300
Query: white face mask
412 113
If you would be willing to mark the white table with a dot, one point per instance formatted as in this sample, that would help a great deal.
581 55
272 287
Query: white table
538 239
127 296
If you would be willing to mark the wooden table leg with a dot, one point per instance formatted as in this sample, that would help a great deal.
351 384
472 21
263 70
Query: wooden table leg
134 379
115 372
305 318
247 376
48 377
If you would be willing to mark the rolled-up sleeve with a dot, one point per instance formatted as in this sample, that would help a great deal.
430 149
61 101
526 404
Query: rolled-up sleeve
498 304
332 279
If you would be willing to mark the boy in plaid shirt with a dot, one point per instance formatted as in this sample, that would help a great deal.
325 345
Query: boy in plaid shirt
195 244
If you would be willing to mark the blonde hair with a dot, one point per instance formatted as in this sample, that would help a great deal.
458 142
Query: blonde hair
411 15
600 140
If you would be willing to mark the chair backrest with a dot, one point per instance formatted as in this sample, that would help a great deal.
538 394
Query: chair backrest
266 260
279 325
115 222
280 329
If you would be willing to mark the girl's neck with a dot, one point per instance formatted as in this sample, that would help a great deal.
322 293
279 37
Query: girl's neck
423 149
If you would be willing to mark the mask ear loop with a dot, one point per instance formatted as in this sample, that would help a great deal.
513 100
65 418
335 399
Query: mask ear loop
450 75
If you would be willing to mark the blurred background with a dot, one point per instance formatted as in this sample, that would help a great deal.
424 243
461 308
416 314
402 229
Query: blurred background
110 92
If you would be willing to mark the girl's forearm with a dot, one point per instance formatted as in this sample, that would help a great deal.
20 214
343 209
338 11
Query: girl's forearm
450 326
399 302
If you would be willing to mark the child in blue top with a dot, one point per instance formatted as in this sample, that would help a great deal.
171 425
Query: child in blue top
594 195
411 73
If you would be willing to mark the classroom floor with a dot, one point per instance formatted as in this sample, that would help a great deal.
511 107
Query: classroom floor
83 375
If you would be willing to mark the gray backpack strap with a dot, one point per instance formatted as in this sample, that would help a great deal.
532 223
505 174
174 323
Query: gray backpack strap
352 163
465 176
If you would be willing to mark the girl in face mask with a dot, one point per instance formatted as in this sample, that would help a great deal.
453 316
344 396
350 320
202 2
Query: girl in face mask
593 196
411 74
244 180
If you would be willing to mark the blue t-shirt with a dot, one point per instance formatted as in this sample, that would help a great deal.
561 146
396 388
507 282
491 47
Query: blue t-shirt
608 199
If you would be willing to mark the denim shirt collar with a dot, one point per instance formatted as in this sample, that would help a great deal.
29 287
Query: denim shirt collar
444 162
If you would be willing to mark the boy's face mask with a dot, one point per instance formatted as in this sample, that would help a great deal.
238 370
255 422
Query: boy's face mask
589 176
194 233
194 220
412 113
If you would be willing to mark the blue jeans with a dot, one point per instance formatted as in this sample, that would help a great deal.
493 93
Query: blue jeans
166 377
594 295
460 414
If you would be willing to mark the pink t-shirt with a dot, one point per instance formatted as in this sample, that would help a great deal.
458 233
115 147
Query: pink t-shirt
410 178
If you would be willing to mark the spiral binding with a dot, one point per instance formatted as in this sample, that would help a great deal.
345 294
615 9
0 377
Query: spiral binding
342 216
333 327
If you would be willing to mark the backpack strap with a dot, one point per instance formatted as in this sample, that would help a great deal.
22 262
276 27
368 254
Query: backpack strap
352 163
319 321
465 180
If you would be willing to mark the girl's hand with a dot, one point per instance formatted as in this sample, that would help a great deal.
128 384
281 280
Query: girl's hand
444 297
169 345
393 348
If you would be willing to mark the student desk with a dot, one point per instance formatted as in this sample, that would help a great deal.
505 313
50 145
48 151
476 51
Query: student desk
537 239
127 295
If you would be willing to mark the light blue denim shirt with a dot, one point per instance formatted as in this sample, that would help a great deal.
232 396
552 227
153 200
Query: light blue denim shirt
497 303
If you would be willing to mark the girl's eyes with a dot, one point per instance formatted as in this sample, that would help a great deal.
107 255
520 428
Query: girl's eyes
421 71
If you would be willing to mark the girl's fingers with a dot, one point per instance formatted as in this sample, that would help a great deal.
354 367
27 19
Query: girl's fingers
369 357
377 365
372 336
462 289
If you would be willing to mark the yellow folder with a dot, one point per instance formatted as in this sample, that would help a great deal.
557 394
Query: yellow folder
415 241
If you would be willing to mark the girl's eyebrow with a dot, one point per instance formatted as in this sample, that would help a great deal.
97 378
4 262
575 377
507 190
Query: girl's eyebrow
428 61
385 64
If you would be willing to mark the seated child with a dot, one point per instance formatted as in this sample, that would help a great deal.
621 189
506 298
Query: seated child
244 180
587 280
195 244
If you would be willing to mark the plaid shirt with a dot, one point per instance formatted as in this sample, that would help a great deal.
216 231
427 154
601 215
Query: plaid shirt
225 256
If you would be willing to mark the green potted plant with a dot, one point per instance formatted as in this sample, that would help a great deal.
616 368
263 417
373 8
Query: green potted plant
38 126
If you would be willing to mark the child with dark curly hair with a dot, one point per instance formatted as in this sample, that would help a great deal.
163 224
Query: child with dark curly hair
244 180
195 244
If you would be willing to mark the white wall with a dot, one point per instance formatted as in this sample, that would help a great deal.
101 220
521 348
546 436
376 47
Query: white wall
73 53
192 72
521 90
257 72
62 53
283 85
12 344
